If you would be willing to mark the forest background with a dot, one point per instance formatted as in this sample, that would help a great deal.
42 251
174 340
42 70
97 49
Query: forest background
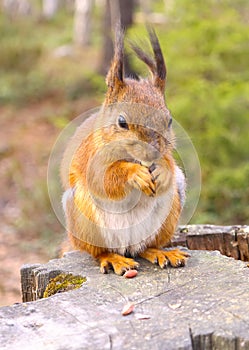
50 73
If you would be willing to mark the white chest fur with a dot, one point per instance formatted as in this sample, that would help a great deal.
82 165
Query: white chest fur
121 226
129 225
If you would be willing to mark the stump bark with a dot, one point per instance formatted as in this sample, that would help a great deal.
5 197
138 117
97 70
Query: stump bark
232 241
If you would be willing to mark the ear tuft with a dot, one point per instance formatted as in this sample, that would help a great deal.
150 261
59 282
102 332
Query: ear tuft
156 64
115 76
161 72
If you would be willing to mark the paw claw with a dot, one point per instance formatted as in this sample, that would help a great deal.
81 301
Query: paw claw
119 263
175 257
103 270
142 179
180 263
161 176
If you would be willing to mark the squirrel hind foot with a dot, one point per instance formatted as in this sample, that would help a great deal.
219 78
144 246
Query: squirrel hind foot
175 257
118 263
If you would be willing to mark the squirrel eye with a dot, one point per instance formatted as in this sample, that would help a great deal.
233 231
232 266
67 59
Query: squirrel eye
170 122
122 122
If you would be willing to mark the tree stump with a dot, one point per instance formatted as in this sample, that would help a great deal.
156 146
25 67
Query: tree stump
232 241
203 305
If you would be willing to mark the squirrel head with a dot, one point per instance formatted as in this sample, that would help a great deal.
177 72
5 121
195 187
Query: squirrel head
132 126
140 119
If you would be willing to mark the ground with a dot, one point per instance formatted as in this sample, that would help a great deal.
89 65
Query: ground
29 230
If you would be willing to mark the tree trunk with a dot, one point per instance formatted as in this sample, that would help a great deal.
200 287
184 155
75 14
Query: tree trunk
115 10
126 8
14 8
49 8
82 22
107 49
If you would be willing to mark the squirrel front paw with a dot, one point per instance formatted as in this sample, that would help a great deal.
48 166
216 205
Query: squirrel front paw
141 178
161 177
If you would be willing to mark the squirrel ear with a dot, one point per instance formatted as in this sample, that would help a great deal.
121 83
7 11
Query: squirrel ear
115 76
160 72
157 65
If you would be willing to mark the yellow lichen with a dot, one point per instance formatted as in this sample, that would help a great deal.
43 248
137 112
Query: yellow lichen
63 283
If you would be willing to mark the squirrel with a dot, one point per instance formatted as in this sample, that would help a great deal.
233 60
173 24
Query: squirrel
124 192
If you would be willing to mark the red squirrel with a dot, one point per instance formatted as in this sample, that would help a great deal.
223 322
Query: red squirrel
123 190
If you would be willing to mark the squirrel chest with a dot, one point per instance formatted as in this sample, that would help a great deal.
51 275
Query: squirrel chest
122 227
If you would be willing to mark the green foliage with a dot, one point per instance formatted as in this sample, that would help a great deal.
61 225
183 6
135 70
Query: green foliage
30 71
208 93
206 48
226 197
20 54
90 84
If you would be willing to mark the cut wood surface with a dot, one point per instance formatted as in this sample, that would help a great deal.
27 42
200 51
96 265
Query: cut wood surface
203 305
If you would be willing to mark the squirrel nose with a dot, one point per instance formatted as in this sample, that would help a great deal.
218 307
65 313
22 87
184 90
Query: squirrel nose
153 136
154 152
158 143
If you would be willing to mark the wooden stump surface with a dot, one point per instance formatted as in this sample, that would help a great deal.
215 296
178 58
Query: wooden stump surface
204 305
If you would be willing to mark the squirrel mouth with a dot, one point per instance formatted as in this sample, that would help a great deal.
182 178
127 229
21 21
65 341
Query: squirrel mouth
141 162
132 160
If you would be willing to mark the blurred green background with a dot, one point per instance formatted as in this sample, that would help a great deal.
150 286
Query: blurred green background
46 80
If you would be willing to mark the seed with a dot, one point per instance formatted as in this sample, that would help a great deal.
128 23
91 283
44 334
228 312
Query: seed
128 309
130 273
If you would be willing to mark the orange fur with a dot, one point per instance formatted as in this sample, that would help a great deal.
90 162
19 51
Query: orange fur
91 174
